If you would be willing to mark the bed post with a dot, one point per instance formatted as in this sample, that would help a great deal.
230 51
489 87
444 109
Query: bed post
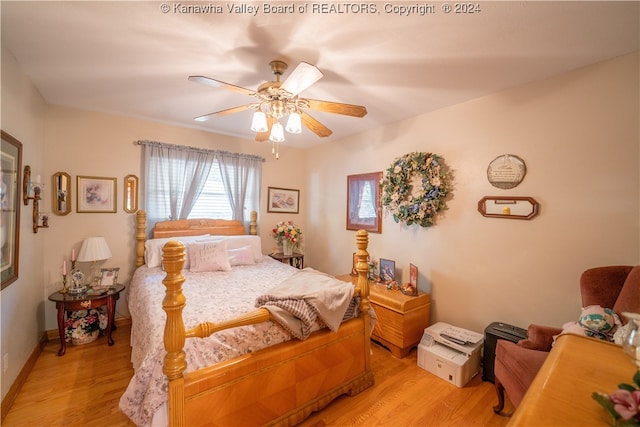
174 334
141 236
362 241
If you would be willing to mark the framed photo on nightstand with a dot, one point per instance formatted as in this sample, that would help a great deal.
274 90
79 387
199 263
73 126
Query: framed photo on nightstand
413 275
387 270
108 277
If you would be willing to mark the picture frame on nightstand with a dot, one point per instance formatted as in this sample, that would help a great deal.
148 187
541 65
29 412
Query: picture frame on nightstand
354 271
108 277
413 275
387 270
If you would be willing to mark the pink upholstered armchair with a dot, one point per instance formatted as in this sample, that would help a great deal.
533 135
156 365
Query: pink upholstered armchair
516 365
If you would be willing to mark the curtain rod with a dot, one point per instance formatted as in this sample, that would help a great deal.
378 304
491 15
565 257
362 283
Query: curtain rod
197 149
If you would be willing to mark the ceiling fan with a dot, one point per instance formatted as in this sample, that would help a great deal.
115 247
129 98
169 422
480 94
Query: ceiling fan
277 99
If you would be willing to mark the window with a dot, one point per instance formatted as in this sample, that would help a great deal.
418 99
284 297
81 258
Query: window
187 182
213 201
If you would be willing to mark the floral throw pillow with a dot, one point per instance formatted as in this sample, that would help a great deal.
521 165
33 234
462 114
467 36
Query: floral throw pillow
595 322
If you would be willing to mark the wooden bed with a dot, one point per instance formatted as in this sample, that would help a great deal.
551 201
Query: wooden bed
279 385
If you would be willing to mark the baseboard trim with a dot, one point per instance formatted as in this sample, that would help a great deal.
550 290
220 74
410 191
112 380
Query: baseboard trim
22 377
49 335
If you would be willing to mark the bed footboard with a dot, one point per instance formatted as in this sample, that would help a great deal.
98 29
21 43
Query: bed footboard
279 385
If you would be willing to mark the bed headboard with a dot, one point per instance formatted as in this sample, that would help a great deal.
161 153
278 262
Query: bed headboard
189 227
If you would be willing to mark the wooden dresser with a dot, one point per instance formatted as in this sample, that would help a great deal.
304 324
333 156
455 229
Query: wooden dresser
401 319
560 394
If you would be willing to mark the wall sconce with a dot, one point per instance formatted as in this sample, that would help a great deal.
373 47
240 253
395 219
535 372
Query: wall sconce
36 187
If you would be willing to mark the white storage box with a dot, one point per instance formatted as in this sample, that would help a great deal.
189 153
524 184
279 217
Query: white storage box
455 362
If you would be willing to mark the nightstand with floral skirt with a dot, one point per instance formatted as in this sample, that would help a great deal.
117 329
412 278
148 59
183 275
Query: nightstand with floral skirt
87 301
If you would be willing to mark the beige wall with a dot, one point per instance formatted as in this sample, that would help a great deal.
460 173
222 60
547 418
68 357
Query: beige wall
578 134
22 303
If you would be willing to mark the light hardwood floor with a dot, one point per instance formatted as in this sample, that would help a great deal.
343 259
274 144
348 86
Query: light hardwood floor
84 387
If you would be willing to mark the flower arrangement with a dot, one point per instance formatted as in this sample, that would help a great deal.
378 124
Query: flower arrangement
81 325
623 404
287 230
372 274
414 188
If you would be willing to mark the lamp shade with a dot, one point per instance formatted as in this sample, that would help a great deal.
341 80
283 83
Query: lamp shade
277 133
259 122
294 123
94 249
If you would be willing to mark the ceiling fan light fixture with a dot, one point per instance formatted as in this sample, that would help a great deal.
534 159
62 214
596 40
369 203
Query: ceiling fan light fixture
259 122
277 133
294 124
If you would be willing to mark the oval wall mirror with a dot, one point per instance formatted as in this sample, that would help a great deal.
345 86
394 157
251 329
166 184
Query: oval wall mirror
61 193
130 193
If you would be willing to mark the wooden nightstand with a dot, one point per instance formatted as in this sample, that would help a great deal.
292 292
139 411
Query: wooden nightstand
85 302
401 318
295 260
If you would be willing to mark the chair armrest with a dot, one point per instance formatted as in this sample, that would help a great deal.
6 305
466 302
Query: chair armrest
540 337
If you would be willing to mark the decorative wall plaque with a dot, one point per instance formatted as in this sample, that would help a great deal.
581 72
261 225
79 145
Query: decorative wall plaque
506 171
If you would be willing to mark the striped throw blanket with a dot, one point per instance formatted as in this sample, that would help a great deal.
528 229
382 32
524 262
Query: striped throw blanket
307 296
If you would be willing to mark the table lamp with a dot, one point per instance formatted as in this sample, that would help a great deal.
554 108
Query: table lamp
94 249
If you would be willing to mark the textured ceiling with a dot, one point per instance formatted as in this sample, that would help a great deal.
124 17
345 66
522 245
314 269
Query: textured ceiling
133 58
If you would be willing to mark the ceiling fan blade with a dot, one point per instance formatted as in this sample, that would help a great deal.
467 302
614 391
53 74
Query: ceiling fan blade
315 126
337 108
263 136
217 83
225 112
301 78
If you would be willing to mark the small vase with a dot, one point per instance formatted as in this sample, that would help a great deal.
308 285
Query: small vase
287 248
631 340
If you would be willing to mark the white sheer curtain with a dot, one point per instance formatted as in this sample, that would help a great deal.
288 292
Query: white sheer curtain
175 175
242 178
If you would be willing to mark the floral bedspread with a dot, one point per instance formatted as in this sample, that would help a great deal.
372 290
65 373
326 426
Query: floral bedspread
210 297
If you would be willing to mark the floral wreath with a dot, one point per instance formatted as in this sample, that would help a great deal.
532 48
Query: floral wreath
415 205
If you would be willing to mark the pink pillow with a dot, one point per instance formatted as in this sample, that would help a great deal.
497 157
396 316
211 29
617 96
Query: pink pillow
241 256
209 256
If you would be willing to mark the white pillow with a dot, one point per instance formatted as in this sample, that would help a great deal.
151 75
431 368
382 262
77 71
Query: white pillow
240 241
241 256
209 256
153 249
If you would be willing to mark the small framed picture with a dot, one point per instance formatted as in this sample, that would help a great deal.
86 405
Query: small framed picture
411 288
283 200
387 270
354 272
95 194
413 275
108 277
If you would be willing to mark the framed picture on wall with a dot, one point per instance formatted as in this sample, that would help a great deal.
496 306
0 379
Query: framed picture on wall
10 168
364 207
95 194
283 200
